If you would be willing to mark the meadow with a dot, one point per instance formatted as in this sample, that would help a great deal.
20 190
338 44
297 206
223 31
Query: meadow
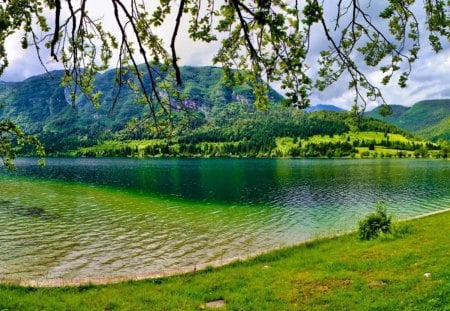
407 270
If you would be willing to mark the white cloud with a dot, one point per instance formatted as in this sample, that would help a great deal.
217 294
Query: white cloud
25 63
427 80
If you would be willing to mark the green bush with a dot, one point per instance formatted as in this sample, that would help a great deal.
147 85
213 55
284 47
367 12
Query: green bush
374 224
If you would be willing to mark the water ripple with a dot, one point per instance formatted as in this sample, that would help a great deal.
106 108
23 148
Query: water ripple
52 229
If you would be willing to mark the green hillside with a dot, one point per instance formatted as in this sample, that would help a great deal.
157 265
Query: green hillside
367 144
397 112
224 122
41 106
438 131
238 130
429 119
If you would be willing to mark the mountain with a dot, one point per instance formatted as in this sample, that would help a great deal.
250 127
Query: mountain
321 107
223 114
429 119
40 105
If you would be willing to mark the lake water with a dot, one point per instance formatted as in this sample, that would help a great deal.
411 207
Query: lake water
115 217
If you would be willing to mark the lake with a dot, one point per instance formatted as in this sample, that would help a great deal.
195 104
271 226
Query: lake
115 217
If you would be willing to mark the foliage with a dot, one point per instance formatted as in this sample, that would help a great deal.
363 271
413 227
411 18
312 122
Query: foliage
262 39
11 135
336 146
375 224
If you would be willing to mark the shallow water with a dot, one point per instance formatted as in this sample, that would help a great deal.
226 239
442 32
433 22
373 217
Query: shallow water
113 217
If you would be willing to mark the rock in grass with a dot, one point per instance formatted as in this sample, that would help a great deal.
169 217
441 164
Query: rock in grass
219 303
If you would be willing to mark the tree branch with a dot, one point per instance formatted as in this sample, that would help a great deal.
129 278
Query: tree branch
57 28
172 43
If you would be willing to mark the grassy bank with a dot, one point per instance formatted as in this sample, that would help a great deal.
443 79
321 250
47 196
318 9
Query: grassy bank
359 145
341 273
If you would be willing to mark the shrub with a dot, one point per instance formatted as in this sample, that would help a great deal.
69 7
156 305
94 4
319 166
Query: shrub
375 223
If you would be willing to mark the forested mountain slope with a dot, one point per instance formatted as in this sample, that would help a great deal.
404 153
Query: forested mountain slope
40 105
221 114
429 119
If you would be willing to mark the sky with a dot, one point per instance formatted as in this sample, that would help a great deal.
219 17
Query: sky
427 81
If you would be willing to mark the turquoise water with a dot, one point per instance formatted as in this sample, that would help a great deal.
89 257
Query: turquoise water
113 217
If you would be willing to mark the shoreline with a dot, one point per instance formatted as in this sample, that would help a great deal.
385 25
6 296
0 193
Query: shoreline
224 156
105 280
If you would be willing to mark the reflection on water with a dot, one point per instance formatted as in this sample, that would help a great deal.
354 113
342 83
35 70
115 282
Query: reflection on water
91 217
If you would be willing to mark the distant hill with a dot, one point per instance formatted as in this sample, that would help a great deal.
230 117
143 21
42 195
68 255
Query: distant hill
429 119
222 114
321 107
41 106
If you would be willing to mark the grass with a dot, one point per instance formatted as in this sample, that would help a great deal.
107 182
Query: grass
367 136
339 273
110 146
283 147
284 144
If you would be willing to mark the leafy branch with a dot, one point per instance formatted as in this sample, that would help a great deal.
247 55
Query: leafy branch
11 136
260 41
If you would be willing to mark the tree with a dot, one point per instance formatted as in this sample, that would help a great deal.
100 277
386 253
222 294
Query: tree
10 133
261 41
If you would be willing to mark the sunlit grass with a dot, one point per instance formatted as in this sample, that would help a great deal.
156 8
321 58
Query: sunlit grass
116 144
352 136
283 146
340 273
